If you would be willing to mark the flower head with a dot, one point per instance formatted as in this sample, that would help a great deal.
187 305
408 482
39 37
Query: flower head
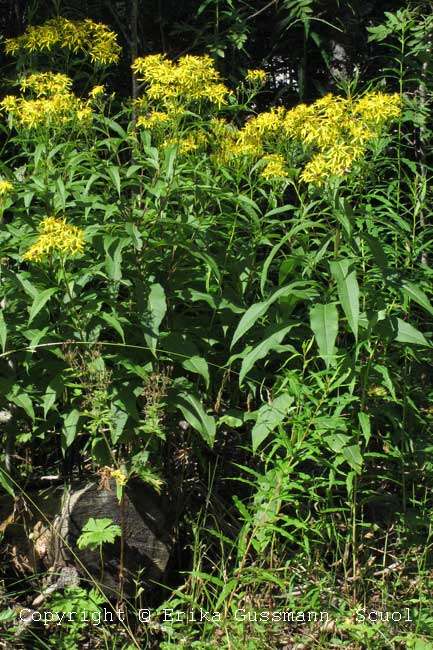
96 91
55 235
120 478
46 84
274 169
87 37
53 104
6 188
153 120
256 77
191 79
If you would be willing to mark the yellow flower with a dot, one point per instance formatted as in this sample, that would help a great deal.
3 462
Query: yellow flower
45 84
153 119
316 170
335 161
9 103
191 79
54 106
55 235
264 124
274 167
377 108
295 119
88 37
233 148
96 91
188 143
340 130
256 77
84 114
6 188
120 478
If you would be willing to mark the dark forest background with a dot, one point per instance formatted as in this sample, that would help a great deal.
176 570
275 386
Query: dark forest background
302 44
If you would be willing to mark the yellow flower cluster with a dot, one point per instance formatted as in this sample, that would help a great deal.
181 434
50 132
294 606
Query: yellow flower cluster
188 143
153 120
96 91
6 188
45 84
260 129
275 167
120 478
54 104
256 77
55 235
335 129
93 39
377 108
250 141
191 79
49 111
340 129
231 150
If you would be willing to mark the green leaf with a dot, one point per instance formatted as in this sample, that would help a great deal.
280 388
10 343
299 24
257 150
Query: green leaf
53 391
199 366
7 614
60 195
378 253
407 333
348 292
39 301
194 413
364 421
418 643
113 261
232 418
113 173
3 331
70 427
97 532
324 323
157 307
113 322
269 416
260 308
353 456
387 381
120 418
415 293
337 441
262 349
269 259
5 483
23 401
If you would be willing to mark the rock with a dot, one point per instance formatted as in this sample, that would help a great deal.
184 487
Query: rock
147 539
56 517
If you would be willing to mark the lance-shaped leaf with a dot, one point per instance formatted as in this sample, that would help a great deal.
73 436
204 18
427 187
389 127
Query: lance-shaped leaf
415 293
269 416
324 323
407 333
262 349
39 301
194 413
157 308
199 366
348 292
3 331
253 313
